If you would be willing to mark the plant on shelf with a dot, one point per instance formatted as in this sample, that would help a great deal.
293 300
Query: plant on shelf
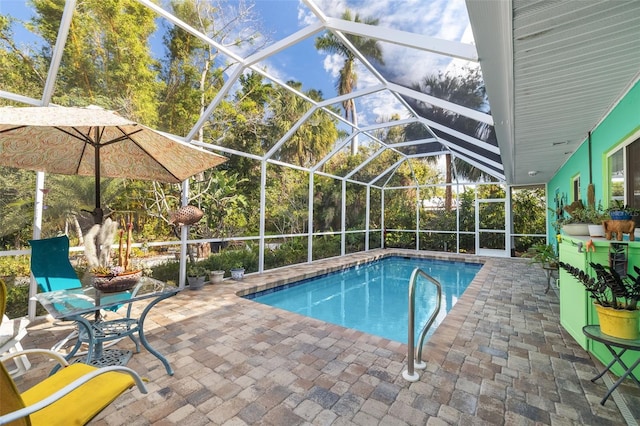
621 211
545 255
612 295
578 218
594 214
608 288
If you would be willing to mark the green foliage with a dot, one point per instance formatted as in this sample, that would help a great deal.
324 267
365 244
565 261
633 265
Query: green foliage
16 206
167 272
607 288
287 201
348 77
326 246
14 266
406 240
232 258
438 242
18 300
292 251
440 220
197 269
544 254
223 203
354 242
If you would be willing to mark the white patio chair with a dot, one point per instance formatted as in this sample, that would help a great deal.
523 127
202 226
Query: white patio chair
11 333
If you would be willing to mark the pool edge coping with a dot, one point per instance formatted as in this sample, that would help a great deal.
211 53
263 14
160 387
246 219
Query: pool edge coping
254 283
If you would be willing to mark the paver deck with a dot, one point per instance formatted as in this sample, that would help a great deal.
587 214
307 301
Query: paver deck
500 357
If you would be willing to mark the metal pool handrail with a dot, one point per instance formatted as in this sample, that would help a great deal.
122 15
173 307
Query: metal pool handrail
409 374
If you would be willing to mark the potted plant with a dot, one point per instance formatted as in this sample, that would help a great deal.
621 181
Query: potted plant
237 272
575 223
216 276
619 211
615 298
594 216
108 278
196 276
545 255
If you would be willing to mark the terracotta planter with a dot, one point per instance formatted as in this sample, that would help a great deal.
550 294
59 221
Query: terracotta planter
619 323
116 283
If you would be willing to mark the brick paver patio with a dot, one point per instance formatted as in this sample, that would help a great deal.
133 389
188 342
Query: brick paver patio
500 357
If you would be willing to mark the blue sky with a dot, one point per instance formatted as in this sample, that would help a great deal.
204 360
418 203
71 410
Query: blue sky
446 19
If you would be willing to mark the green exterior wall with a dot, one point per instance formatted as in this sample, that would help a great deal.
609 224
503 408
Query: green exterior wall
575 306
622 122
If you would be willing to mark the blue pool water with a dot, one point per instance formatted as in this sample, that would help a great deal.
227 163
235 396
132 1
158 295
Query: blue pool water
373 298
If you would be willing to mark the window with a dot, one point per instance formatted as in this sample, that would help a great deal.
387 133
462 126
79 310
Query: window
624 175
576 188
633 167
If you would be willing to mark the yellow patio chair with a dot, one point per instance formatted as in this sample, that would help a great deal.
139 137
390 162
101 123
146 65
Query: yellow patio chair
72 396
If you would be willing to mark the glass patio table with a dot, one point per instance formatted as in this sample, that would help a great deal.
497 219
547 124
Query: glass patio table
82 305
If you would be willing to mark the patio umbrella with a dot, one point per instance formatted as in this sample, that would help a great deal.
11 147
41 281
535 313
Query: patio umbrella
95 142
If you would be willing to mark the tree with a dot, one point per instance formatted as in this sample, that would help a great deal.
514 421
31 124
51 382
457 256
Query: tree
193 71
69 199
223 206
16 206
106 58
462 89
313 139
348 78
22 72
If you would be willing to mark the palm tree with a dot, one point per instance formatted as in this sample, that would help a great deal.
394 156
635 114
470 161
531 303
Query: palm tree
348 76
467 90
71 198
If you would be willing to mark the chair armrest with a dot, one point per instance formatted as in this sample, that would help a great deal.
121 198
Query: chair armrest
50 354
71 387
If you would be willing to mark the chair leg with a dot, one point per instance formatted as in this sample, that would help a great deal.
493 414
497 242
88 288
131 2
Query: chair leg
62 343
22 362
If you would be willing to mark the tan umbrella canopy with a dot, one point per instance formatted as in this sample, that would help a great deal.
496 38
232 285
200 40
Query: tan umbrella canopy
95 142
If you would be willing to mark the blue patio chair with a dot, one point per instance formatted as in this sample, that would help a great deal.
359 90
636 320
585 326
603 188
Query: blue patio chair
53 271
50 264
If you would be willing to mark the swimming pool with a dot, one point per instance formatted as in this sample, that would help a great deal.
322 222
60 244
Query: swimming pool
373 297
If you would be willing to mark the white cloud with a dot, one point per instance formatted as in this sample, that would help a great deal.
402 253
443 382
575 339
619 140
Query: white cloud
333 64
444 19
376 105
331 8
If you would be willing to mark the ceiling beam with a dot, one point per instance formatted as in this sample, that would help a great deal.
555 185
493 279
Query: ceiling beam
454 49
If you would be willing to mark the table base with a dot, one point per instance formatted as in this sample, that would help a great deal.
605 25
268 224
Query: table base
109 357
594 332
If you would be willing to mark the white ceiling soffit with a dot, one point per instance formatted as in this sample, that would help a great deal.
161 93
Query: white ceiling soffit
553 70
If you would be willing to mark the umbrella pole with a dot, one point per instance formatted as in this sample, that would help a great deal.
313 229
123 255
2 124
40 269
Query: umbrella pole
97 212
